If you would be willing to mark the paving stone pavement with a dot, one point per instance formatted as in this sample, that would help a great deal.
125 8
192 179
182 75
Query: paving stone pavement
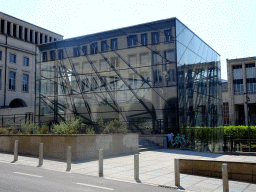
156 168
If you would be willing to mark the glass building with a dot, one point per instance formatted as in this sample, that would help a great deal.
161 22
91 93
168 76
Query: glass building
155 77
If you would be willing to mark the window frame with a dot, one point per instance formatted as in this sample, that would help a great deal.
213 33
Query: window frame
114 44
52 55
132 41
27 75
144 43
76 52
44 56
94 48
155 38
104 45
60 54
14 58
84 49
0 78
26 61
168 33
12 87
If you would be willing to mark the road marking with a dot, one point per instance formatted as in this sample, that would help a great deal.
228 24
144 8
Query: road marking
28 174
95 186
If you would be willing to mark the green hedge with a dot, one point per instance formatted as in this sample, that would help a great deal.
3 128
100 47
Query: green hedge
240 132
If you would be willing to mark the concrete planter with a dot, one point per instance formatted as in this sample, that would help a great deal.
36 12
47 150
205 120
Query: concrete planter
84 147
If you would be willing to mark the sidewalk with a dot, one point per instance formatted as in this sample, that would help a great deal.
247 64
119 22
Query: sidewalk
156 168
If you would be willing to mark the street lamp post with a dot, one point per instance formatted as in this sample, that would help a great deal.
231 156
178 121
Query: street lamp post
249 131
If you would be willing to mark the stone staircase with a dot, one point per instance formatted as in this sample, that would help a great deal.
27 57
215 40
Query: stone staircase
146 145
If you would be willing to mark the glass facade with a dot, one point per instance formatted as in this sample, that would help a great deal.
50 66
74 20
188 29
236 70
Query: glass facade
155 77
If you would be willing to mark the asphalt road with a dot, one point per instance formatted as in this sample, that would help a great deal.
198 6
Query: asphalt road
16 178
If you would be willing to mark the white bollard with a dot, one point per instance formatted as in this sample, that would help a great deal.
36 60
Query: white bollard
136 167
16 150
225 177
101 162
41 153
177 172
69 157
237 147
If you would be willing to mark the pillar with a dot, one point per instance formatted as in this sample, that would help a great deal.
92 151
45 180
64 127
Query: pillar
38 38
5 26
23 33
231 93
11 29
28 35
43 38
33 36
17 31
245 91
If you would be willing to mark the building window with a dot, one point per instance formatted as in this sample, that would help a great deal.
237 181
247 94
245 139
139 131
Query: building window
237 72
25 61
12 58
60 53
171 77
169 56
133 61
238 86
25 83
133 80
84 49
114 44
104 46
94 48
238 79
251 85
132 41
144 39
158 80
168 35
157 59
115 62
44 56
155 37
0 78
76 52
52 55
250 70
0 55
12 79
104 66
226 113
144 60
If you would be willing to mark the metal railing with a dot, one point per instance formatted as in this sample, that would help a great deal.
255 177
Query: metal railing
16 119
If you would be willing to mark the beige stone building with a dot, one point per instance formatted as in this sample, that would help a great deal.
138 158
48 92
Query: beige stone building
18 45
239 100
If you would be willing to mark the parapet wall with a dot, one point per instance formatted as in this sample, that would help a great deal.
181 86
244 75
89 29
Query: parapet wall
84 147
241 171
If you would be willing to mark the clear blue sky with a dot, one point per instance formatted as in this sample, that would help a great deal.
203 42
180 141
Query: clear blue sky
228 26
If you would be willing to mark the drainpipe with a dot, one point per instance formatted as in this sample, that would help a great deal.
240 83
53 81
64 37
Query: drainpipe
5 68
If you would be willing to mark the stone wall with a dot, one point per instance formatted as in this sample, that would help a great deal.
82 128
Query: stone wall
84 147
241 171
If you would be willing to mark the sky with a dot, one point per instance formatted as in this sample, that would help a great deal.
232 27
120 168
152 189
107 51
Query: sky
228 26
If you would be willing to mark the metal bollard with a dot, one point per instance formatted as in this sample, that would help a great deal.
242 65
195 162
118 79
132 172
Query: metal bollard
177 172
136 167
101 162
16 150
41 153
225 177
69 157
